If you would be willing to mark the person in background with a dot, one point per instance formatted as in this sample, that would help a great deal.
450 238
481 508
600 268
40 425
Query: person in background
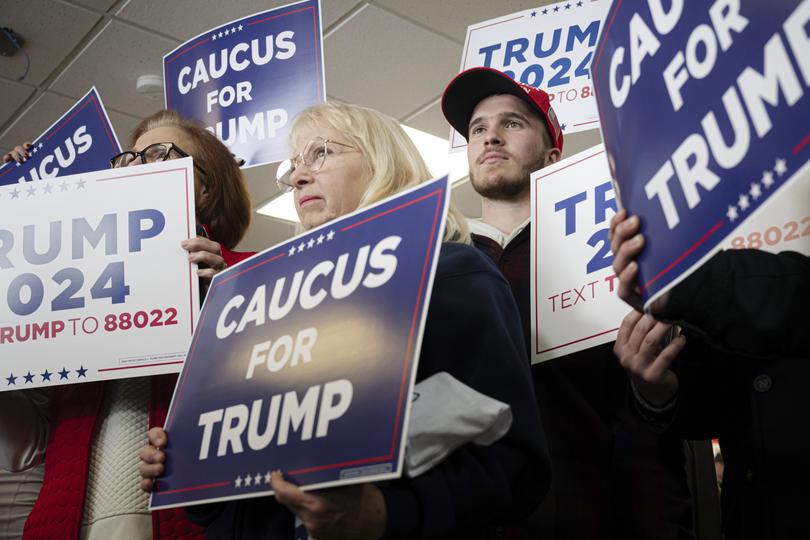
612 477
347 157
89 434
738 373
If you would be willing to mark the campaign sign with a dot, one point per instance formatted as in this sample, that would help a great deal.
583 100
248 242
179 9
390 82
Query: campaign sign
700 114
95 283
573 300
550 48
247 79
81 141
305 357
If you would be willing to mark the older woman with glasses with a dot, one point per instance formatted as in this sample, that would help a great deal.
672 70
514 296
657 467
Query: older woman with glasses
347 157
89 434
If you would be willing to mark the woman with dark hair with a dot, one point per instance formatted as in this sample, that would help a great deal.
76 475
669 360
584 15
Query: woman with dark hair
89 434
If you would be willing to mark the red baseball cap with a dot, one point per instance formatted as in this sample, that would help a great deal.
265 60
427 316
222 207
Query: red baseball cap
469 87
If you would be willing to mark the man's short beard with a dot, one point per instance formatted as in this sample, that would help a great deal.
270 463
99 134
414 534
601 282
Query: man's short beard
502 189
508 189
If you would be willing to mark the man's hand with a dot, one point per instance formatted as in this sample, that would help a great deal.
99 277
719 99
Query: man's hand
627 243
204 251
641 353
356 511
152 458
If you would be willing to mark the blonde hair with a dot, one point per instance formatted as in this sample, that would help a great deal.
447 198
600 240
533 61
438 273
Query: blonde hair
394 161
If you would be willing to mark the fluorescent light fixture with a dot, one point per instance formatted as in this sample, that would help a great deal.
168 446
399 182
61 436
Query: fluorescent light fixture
282 207
434 150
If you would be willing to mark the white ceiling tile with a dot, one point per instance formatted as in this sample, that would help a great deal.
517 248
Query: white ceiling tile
97 5
466 199
261 183
123 124
37 118
577 142
50 30
430 120
380 60
14 95
332 10
265 232
174 19
113 63
452 17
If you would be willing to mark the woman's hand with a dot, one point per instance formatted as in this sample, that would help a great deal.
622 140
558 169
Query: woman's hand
152 458
206 252
356 511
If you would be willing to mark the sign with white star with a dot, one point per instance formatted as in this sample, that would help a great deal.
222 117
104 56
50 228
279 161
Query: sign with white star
81 140
81 297
780 225
305 357
549 47
248 78
699 112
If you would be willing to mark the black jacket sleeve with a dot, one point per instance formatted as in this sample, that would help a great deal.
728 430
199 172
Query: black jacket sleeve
473 332
748 302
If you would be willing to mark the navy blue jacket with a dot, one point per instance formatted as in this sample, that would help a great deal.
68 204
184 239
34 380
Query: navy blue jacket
473 332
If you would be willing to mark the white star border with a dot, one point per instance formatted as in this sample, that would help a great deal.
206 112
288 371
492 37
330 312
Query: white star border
756 189
47 186
313 242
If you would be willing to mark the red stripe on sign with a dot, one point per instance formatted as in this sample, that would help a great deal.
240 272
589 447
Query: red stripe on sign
193 488
577 341
683 255
799 147
605 31
140 366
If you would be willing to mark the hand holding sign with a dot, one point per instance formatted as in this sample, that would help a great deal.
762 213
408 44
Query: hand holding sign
356 511
728 81
626 243
18 153
80 141
641 351
152 458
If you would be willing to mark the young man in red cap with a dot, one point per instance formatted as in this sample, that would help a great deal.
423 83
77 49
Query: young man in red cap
612 477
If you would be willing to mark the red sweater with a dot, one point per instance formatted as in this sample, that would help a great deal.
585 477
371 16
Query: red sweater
58 510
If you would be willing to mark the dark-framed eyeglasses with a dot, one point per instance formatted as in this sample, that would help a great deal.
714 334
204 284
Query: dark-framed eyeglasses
313 156
153 153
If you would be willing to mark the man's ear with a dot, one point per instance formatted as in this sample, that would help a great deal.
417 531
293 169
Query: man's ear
552 156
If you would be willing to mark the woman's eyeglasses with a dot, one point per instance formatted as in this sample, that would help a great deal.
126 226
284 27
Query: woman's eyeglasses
153 153
313 156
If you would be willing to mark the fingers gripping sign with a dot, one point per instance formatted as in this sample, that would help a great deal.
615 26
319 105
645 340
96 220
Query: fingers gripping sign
152 458
18 153
643 352
206 253
356 511
627 243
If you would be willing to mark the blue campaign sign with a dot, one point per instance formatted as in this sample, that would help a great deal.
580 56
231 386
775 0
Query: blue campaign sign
702 114
81 141
305 356
247 79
